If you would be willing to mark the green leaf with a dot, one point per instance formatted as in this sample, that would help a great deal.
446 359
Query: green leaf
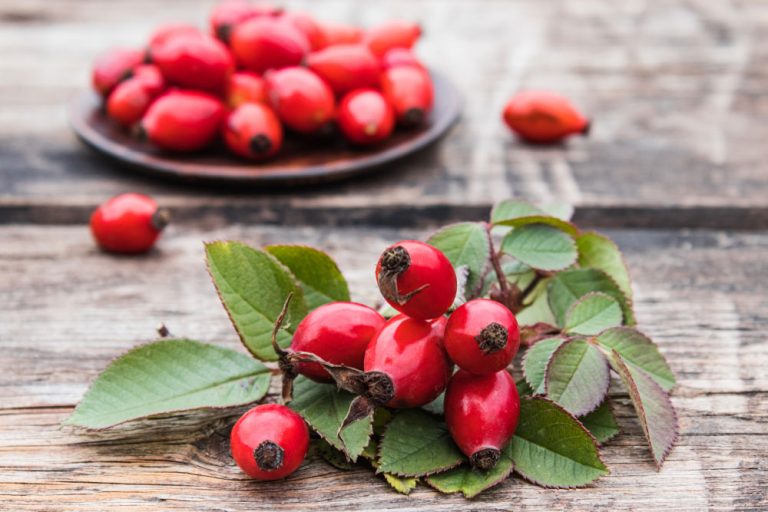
535 362
318 274
403 485
600 252
566 287
560 210
253 287
466 244
417 443
324 409
471 482
513 209
639 352
653 407
551 448
523 388
577 376
331 455
538 311
436 406
592 314
166 376
541 247
514 213
601 423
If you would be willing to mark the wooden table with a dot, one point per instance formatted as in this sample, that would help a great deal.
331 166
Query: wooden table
676 167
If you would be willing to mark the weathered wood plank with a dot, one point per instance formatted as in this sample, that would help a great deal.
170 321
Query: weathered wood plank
677 90
66 310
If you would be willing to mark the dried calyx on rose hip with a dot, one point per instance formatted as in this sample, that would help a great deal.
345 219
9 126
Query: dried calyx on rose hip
482 336
269 442
482 412
128 223
416 279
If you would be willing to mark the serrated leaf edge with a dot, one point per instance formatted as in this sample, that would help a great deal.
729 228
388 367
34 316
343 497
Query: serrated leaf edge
528 352
621 255
569 311
630 302
650 341
469 496
618 428
304 246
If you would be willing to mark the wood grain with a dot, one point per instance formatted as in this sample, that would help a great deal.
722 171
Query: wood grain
66 310
677 90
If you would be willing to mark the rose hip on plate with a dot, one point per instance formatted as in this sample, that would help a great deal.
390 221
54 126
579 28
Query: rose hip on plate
340 33
183 120
195 62
164 32
245 87
309 26
128 223
264 43
226 15
365 118
410 91
543 117
346 67
392 34
400 57
302 100
253 131
151 77
129 101
113 67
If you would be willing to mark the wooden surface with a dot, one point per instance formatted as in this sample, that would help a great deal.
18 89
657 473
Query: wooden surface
677 90
68 310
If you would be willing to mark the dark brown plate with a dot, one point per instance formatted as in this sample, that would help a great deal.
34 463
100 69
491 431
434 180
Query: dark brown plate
300 161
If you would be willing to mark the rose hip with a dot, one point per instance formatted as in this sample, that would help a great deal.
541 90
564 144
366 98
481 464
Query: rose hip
346 67
245 87
339 33
543 117
183 120
410 92
302 100
113 67
128 223
392 34
365 117
151 77
400 57
195 62
166 32
226 15
265 43
309 26
253 131
129 101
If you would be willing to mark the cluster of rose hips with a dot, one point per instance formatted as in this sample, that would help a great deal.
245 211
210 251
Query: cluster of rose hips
404 362
260 70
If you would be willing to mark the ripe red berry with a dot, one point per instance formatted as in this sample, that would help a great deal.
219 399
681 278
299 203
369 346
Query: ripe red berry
128 223
129 101
113 67
226 15
183 120
339 333
308 26
269 442
253 131
409 362
392 34
339 33
165 32
410 91
365 117
245 87
416 279
346 67
151 77
482 412
195 62
302 100
543 117
482 336
400 57
266 43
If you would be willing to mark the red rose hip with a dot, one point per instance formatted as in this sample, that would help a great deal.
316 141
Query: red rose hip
129 101
183 120
407 362
195 62
400 57
339 33
165 32
416 279
128 223
245 87
339 333
226 15
266 43
543 117
113 67
253 131
410 91
302 100
482 336
308 26
269 442
151 77
365 117
481 412
392 34
346 67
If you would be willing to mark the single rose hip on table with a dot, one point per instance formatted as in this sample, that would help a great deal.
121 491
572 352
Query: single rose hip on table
226 15
183 120
253 131
195 62
482 336
302 100
269 442
365 117
339 333
264 43
113 67
416 279
543 117
245 87
410 91
481 412
128 223
392 34
346 67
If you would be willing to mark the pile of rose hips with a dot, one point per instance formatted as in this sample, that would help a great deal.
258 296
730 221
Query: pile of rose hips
404 362
262 70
